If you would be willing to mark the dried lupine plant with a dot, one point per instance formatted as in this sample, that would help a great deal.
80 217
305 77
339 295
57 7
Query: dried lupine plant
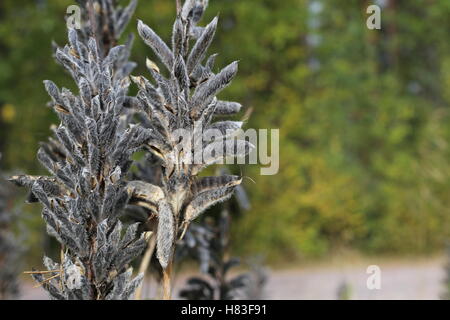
185 99
10 248
200 241
212 256
85 193
206 242
106 21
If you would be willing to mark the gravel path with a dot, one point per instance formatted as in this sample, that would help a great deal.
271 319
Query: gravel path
410 282
399 280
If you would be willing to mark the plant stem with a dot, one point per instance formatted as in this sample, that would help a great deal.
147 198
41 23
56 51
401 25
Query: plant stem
143 268
167 274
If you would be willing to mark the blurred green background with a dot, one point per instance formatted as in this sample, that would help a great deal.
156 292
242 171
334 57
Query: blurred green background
363 116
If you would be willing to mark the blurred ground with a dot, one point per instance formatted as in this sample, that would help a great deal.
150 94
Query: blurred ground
399 280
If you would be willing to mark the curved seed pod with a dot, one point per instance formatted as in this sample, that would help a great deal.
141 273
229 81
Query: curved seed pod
226 128
210 183
225 148
206 92
178 37
166 234
124 18
187 8
201 46
155 42
114 55
227 108
53 91
205 200
145 194
181 74
198 10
